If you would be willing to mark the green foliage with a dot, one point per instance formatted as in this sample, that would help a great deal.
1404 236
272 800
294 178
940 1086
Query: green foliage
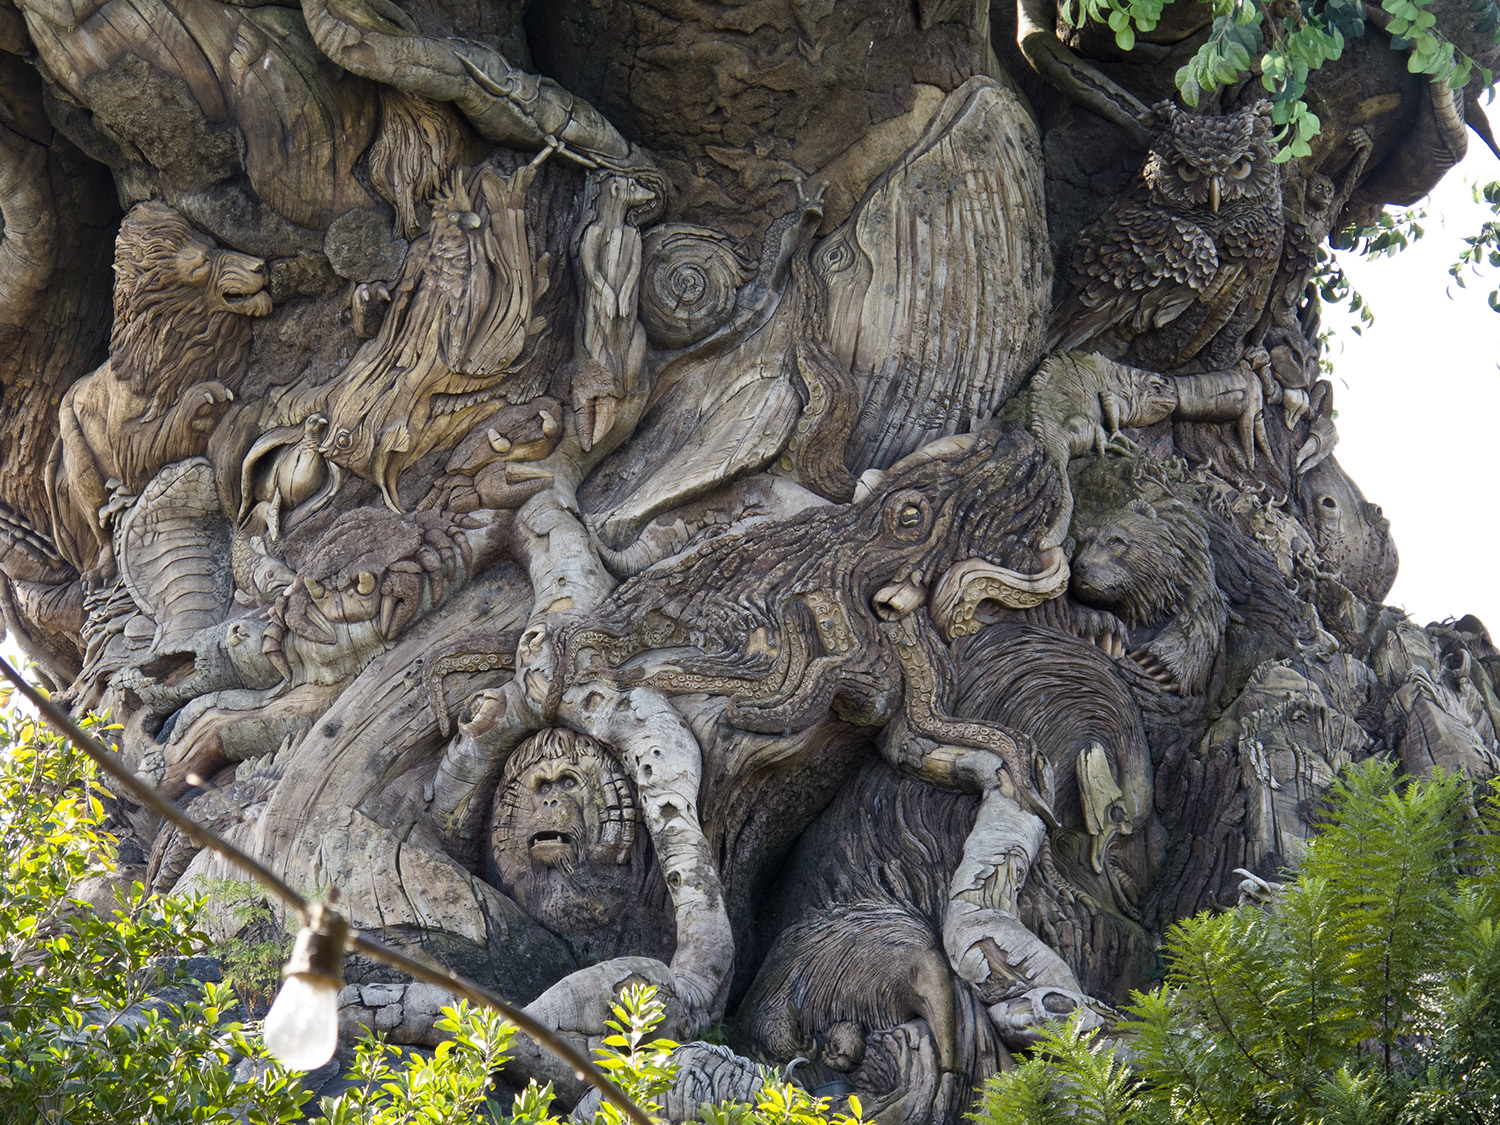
1069 1077
1284 42
454 1085
1391 233
396 1087
640 1067
251 960
1335 288
1482 248
1369 994
81 1039
1123 18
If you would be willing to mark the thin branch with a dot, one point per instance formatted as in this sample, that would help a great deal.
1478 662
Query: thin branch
419 968
1213 996
110 764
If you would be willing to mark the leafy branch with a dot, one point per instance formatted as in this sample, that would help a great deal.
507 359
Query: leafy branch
1482 248
1286 40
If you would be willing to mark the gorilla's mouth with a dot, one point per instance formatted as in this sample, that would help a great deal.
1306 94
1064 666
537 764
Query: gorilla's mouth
247 302
550 847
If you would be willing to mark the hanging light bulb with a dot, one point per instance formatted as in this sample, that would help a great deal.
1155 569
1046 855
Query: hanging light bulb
302 1028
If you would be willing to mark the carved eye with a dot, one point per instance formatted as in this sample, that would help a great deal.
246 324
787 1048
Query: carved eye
568 781
196 261
344 439
1188 173
836 255
1241 168
907 515
1117 814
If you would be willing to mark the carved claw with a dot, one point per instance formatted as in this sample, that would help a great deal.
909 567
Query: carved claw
303 617
1294 405
1119 443
203 405
367 308
1319 445
271 642
595 394
1260 362
432 566
1019 1018
400 598
1149 663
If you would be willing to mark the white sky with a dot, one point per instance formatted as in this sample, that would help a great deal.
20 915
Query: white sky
1418 399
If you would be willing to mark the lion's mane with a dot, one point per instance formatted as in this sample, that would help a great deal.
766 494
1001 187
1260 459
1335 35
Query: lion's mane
169 331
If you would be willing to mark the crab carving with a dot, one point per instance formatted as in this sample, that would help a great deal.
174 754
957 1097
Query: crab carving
371 565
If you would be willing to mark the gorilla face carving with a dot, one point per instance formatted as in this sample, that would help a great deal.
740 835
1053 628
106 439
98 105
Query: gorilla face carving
556 815
563 835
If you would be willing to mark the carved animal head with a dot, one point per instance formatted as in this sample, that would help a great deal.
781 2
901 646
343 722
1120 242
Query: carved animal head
1201 163
1352 535
182 306
966 516
564 821
454 338
1152 565
1138 561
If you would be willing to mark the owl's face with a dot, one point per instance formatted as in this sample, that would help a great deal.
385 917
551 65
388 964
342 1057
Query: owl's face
1199 162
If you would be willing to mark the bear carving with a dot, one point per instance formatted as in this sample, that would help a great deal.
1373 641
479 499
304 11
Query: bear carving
1150 565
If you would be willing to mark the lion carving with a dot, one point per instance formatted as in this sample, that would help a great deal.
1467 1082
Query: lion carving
179 347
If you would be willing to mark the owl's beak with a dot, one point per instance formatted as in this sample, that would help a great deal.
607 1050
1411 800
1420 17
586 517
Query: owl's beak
1215 190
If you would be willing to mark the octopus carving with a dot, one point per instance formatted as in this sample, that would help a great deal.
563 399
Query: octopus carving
850 628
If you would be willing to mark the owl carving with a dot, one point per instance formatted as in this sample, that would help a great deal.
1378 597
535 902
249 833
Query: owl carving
1175 276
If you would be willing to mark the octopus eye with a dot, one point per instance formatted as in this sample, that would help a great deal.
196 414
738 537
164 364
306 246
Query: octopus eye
1188 173
907 515
1241 168
344 439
